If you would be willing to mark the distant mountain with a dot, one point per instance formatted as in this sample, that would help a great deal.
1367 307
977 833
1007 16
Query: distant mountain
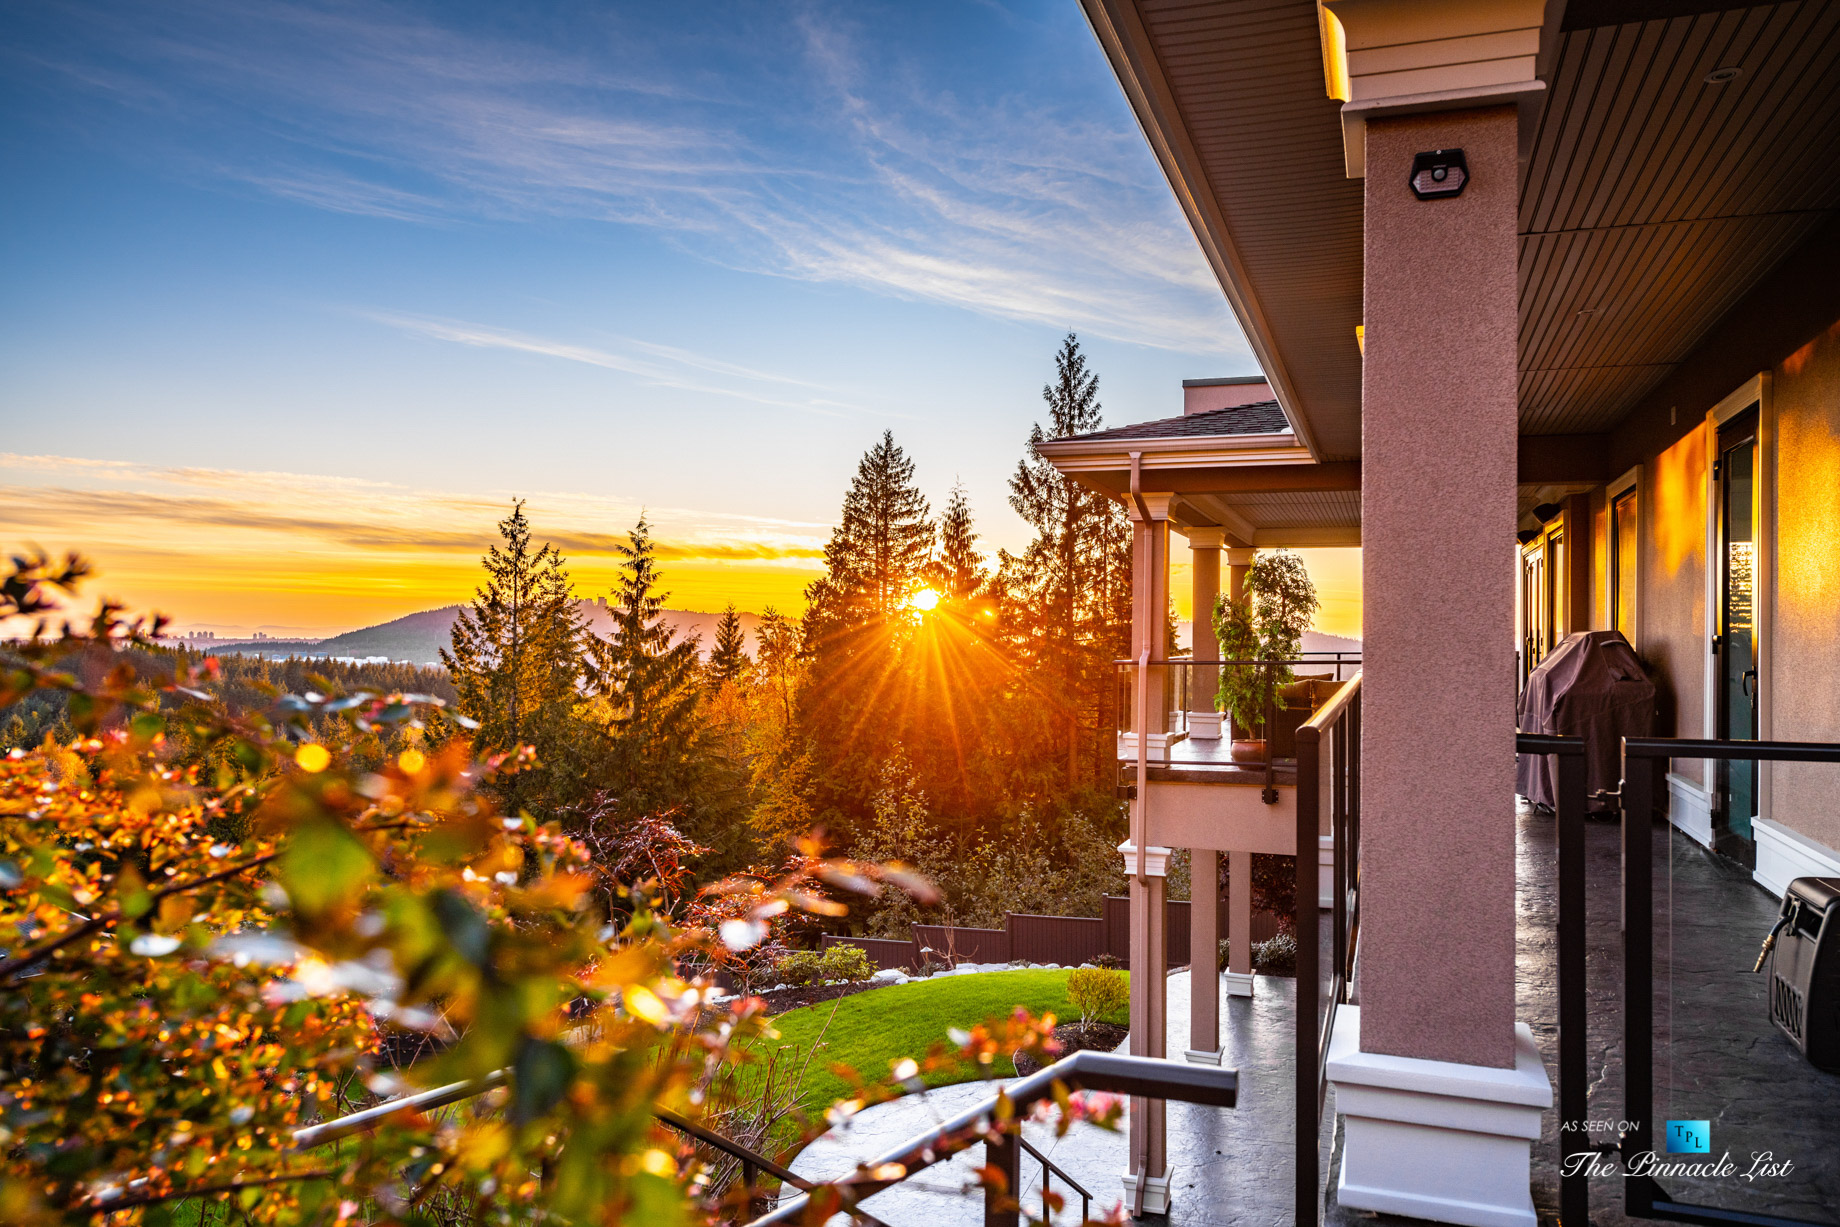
419 637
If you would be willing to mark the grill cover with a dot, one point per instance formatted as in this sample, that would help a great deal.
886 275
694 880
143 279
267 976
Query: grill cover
1593 686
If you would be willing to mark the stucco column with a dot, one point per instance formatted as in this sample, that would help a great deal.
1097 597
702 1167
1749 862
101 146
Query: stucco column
1150 607
1149 1162
1204 549
1204 956
1438 436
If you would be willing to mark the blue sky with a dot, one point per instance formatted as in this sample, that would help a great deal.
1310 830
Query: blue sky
391 264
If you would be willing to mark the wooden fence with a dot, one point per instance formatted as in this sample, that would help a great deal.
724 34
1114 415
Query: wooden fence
1067 940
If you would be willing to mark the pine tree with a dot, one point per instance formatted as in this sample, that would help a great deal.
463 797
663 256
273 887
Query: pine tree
517 662
729 656
1070 587
649 686
959 571
879 553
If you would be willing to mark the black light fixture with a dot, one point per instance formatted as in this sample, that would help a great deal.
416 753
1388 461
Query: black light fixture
1439 175
1526 534
1546 511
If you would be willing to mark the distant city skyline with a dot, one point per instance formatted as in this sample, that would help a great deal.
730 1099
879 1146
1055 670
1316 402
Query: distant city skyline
298 297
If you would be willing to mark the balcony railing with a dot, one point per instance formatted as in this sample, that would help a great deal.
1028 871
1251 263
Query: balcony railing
1177 703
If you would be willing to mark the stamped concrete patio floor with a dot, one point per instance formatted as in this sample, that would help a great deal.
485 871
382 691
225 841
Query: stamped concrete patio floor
1717 1059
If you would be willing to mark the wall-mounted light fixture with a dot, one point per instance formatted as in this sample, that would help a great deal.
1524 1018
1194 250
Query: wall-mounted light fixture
1546 511
1439 175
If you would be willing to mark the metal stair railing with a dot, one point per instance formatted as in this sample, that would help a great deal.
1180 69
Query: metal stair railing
1139 1077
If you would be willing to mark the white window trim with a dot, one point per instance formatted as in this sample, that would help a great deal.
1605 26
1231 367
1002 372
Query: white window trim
1632 480
1754 391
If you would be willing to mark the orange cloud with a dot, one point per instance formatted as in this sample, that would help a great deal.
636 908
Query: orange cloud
312 555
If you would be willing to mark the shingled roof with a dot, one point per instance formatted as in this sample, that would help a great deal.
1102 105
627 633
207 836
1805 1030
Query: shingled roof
1262 417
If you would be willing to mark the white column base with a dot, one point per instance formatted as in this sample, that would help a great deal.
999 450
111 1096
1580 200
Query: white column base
1205 725
1202 1056
1239 983
1159 743
1437 1140
1156 1193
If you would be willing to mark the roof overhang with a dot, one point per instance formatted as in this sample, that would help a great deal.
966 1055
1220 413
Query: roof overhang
1657 191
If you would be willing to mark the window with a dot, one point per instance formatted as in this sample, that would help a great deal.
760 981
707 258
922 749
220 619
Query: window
1623 565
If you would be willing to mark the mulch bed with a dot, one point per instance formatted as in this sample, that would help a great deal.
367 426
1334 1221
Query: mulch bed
783 999
1098 1037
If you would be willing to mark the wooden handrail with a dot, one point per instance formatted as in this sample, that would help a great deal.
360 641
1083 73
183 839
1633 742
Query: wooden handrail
1332 711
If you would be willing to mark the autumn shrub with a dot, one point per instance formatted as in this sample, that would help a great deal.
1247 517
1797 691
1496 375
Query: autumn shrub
1095 991
211 914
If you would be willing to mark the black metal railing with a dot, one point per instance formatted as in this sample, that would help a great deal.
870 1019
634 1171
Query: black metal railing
1139 1077
1048 1169
1642 762
1338 724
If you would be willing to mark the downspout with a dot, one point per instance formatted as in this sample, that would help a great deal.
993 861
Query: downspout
1140 1161
1141 836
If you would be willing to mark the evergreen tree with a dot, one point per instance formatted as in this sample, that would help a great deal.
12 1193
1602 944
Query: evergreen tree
517 663
1069 590
878 555
649 686
959 571
729 656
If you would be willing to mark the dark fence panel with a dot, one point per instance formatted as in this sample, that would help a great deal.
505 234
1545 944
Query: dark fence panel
1067 940
963 945
1116 913
883 952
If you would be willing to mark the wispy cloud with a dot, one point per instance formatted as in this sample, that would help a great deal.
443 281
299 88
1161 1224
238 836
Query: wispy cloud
663 365
804 147
61 500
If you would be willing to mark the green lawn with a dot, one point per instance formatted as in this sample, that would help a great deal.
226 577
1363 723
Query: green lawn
871 1030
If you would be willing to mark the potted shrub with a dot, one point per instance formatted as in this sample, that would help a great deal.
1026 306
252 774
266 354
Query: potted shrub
1266 624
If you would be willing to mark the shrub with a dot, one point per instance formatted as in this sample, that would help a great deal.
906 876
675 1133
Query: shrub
800 968
1276 957
849 964
1095 991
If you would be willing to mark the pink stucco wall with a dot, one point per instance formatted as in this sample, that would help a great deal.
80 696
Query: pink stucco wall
1438 381
1805 700
1672 523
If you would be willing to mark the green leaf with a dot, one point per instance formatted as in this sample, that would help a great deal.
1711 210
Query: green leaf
465 928
324 864
540 1078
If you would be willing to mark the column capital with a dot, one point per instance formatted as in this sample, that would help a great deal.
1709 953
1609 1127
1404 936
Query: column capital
1158 504
1209 538
1156 860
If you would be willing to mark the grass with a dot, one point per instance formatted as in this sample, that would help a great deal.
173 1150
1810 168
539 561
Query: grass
870 1031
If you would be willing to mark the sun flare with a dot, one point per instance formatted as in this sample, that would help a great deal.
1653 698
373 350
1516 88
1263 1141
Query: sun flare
924 600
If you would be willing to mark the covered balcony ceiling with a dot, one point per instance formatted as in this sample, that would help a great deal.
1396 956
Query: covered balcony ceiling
1651 202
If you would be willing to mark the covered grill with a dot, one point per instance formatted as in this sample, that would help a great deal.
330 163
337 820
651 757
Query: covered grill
1592 686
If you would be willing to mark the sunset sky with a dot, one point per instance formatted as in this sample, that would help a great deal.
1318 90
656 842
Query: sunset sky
298 297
